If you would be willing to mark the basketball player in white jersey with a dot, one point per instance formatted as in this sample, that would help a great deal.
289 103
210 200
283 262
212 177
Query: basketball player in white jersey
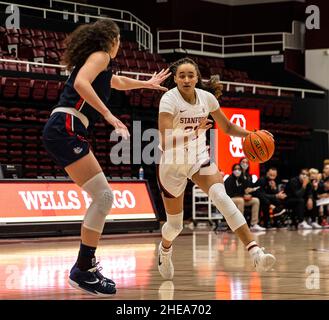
183 122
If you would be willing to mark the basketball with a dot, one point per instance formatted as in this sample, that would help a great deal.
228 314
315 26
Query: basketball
259 146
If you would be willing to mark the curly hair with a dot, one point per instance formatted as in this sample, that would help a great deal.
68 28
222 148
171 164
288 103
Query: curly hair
213 85
89 38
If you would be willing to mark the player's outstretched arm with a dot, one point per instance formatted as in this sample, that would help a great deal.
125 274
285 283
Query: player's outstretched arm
125 83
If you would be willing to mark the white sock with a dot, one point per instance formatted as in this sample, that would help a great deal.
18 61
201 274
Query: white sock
252 247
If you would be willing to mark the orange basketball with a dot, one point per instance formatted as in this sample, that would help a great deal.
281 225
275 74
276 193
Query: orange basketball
258 146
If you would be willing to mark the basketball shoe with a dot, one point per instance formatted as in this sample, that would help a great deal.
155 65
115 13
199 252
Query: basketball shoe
165 265
91 281
262 261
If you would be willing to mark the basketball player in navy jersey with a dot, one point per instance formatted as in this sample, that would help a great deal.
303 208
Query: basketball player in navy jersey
90 49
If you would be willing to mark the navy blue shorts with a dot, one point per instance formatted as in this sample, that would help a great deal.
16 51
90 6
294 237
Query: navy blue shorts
65 138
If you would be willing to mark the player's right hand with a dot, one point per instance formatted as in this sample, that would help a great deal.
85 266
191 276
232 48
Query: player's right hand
203 126
119 127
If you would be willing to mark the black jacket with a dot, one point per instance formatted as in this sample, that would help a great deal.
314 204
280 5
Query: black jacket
294 189
234 186
265 189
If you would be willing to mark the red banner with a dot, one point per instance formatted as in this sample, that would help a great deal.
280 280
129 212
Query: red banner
61 201
229 149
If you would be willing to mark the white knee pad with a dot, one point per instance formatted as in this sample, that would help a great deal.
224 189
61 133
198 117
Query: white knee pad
226 206
173 227
102 199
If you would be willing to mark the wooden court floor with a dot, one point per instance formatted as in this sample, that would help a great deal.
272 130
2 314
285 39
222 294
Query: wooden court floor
207 266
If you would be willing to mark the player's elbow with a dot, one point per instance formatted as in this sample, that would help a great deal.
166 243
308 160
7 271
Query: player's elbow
78 84
228 128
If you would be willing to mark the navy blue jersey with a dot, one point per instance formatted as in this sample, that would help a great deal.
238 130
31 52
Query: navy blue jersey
70 98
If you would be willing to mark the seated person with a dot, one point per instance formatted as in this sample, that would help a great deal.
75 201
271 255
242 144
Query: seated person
271 199
323 192
241 196
312 209
299 194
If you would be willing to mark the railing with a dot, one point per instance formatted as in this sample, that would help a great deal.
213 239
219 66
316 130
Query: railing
62 68
228 84
254 87
200 43
103 10
144 36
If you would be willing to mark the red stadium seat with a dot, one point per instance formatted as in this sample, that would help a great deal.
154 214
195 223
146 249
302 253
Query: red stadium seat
147 98
43 115
12 66
29 114
52 56
36 33
37 43
3 114
49 44
131 64
49 70
152 66
48 34
128 54
38 89
139 55
24 32
14 114
24 88
9 87
142 65
38 53
52 91
36 69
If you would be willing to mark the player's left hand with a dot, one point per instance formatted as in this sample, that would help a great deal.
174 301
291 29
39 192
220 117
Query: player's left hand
157 79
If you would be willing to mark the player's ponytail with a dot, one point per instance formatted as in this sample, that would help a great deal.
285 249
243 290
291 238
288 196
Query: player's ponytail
214 86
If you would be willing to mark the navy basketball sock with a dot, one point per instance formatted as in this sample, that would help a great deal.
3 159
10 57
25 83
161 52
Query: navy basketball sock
86 257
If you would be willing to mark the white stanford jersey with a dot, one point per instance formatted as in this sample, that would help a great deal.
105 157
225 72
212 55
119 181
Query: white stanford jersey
187 116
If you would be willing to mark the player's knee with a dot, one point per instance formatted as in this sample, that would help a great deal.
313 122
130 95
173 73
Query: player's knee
170 232
104 201
173 227
226 206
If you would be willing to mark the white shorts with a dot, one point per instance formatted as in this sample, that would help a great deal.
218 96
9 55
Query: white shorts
172 178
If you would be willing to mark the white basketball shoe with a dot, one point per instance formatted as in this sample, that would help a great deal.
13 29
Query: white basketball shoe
262 261
165 265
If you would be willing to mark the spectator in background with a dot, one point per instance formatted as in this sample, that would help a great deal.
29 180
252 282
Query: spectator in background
323 193
325 171
246 176
312 209
239 191
299 194
271 199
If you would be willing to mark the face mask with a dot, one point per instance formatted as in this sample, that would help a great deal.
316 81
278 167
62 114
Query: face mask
244 166
237 173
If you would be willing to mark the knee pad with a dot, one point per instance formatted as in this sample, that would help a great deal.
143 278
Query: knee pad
226 206
102 199
173 227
